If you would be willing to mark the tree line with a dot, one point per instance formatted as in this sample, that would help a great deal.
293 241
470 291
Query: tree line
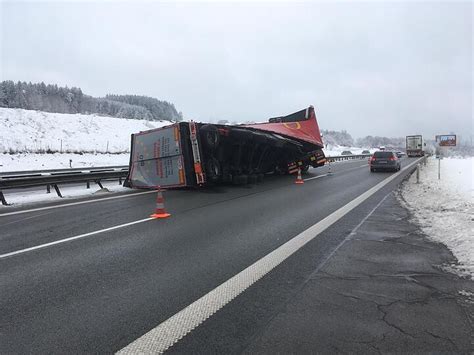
345 139
53 98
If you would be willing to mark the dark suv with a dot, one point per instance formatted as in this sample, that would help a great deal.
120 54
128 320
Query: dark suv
384 160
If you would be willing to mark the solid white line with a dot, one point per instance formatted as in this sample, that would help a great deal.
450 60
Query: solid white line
176 327
72 238
76 203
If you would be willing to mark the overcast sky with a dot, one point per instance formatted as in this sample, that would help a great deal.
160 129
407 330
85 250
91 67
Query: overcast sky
371 68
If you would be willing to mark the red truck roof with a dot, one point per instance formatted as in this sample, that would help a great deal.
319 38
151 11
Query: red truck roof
301 125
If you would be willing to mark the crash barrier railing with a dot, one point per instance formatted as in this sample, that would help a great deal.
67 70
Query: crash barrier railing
347 157
51 178
26 173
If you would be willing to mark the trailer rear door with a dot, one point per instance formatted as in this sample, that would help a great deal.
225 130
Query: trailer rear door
157 159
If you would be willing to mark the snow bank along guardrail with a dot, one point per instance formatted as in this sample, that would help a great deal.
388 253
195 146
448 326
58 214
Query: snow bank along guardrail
48 178
51 178
347 157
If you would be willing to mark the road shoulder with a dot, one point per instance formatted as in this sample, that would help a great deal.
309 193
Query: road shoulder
384 290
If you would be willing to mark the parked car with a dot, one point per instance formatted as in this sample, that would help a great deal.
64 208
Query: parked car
365 152
399 154
384 160
346 152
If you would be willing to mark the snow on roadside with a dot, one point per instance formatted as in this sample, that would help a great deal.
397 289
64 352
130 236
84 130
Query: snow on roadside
37 131
23 161
20 198
445 208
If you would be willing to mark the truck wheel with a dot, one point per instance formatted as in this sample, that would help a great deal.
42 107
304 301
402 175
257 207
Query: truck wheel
240 179
241 134
227 178
252 179
213 169
210 135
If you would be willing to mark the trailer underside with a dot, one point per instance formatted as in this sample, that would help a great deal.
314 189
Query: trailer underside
237 154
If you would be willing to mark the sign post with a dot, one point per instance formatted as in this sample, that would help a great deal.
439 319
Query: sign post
439 168
447 140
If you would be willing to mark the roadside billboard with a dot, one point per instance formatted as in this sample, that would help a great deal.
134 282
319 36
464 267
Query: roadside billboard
448 140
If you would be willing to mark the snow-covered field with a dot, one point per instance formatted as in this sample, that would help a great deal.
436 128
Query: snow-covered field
36 131
445 208
27 135
25 161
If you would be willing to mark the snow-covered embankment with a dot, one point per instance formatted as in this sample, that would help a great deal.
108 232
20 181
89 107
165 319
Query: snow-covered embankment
445 208
27 136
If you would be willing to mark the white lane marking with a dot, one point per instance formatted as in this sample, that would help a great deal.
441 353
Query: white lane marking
76 203
26 218
162 337
315 177
41 246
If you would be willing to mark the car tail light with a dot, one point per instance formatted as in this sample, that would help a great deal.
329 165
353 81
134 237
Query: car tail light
372 159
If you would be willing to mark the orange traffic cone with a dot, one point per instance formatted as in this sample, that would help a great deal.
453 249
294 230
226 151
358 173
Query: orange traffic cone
299 179
160 211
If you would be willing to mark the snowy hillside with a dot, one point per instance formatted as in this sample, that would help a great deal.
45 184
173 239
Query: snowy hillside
36 131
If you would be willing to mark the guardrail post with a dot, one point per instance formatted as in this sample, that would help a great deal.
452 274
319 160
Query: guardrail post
57 190
99 183
48 188
417 173
2 198
120 180
88 184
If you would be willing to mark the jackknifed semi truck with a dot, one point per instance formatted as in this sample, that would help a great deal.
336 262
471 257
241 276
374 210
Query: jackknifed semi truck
414 146
191 154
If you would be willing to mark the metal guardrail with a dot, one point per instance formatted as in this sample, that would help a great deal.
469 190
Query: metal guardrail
348 157
48 178
25 173
52 178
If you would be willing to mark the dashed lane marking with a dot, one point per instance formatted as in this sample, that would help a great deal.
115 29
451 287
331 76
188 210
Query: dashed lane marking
76 203
41 246
315 177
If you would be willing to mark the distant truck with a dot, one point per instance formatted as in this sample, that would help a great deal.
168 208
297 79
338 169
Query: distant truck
189 154
414 146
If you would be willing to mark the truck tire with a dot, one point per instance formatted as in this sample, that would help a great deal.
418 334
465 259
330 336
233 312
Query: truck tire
240 179
241 134
213 170
252 179
210 136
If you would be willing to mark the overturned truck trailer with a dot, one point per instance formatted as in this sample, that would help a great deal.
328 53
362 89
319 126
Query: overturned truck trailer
187 154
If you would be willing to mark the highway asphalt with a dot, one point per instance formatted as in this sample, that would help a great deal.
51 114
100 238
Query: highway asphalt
100 292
